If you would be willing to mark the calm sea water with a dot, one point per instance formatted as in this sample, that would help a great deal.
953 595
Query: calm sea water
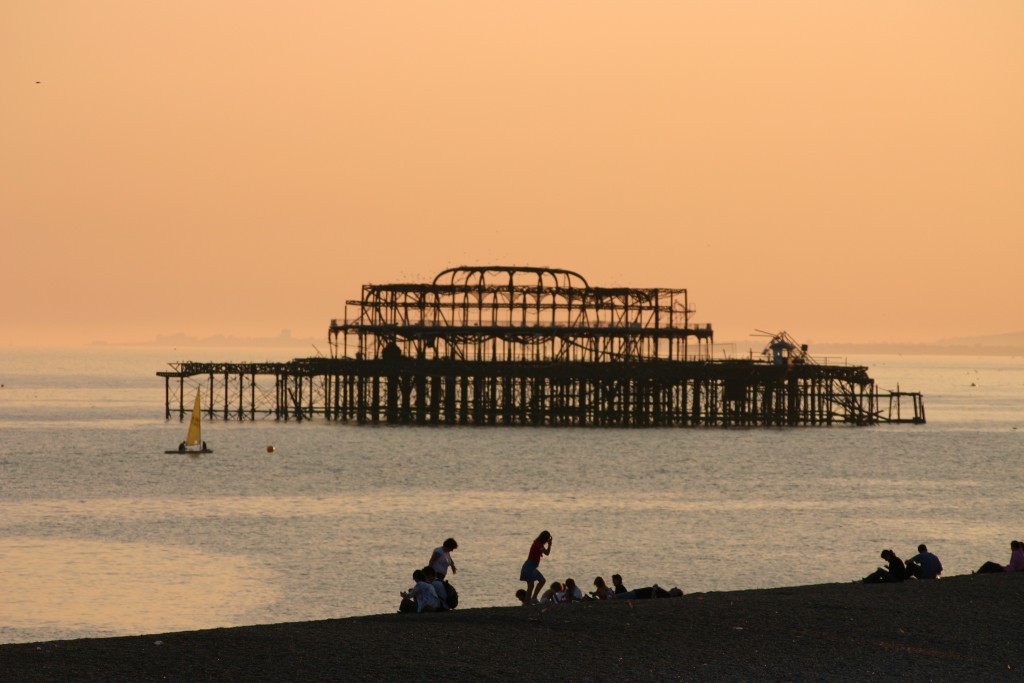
103 534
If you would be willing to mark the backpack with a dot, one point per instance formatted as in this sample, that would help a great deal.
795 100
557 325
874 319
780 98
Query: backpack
453 595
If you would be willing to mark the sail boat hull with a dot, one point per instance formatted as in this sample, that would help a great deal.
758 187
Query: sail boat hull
190 452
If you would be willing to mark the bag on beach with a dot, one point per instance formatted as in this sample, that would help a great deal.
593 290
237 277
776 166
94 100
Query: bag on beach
453 595
407 605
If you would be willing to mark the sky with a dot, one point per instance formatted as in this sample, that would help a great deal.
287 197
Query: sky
844 171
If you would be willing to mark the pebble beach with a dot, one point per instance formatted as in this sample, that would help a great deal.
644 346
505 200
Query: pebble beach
954 629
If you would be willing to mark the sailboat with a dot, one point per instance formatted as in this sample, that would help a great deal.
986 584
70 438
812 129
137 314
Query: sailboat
193 442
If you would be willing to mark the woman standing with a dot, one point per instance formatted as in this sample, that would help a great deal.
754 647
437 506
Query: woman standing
441 558
530 572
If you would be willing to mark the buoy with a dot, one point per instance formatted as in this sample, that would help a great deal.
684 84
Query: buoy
270 449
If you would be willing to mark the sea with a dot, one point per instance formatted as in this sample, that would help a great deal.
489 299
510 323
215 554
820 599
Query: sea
103 534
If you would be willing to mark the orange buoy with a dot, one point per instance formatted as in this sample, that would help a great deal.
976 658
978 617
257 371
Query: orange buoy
270 449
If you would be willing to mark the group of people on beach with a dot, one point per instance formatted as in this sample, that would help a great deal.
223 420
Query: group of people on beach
431 591
568 591
926 565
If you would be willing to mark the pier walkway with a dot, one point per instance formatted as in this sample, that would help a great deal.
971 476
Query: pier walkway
410 391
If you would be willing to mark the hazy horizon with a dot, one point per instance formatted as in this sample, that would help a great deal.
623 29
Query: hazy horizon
1012 341
842 171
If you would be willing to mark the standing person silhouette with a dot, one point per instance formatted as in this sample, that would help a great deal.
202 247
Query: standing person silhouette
441 558
530 572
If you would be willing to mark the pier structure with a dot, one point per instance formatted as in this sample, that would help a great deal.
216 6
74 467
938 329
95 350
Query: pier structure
514 314
508 345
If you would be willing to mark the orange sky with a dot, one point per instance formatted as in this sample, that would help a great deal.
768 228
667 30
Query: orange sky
846 171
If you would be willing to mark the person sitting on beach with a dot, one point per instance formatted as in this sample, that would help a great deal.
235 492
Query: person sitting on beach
441 558
602 591
553 594
521 596
572 592
439 588
617 583
924 565
1016 561
650 592
897 571
530 572
1016 558
423 593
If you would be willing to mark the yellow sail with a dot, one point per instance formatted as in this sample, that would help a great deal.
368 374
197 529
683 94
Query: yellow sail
194 437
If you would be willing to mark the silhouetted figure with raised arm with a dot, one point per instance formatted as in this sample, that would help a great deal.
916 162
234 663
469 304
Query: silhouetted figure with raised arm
530 572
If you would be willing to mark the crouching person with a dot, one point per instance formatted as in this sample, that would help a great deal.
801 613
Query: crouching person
421 597
442 593
896 572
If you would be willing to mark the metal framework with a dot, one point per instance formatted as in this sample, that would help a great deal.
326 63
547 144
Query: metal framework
511 313
503 345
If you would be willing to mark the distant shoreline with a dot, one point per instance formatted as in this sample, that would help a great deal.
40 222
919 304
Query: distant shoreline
735 349
218 342
915 350
954 629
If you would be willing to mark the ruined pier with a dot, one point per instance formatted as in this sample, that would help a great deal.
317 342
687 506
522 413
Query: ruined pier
506 345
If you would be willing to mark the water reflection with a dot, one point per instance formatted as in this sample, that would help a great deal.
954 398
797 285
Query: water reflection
92 587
